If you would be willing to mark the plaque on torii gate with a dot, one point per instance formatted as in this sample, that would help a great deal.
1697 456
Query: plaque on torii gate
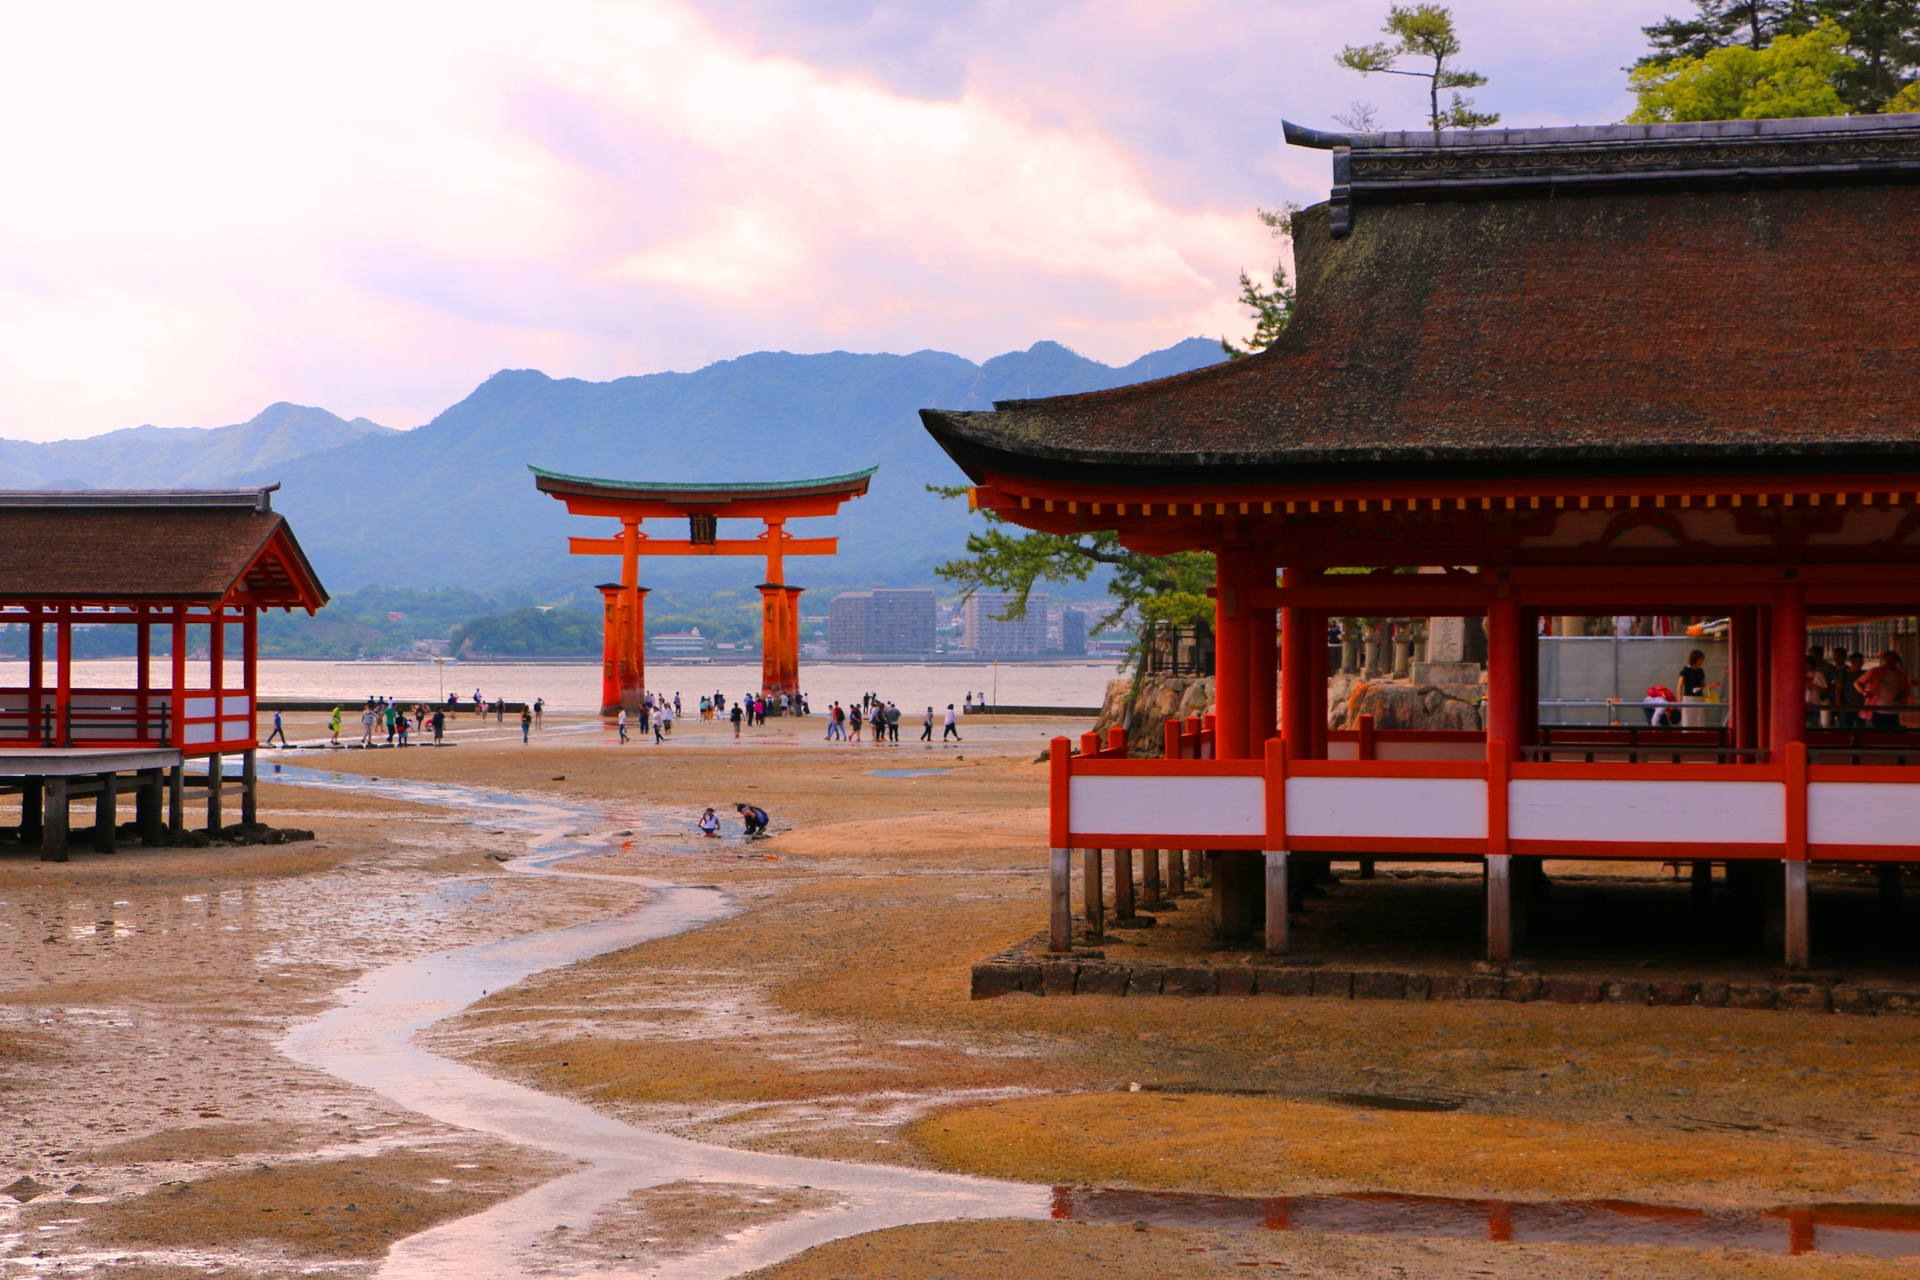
702 506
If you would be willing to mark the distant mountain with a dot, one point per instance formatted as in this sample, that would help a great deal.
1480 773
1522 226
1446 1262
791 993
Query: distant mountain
167 457
451 503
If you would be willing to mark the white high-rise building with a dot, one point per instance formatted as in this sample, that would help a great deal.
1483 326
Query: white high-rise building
990 635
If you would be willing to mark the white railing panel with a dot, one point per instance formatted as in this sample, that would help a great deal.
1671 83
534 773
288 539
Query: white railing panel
1172 806
200 708
1672 812
196 733
236 705
1388 808
1878 813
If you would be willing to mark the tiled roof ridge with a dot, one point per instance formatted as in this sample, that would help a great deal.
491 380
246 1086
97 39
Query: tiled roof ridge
258 497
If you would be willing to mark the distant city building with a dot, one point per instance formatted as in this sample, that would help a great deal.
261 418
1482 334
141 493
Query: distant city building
990 636
1073 631
884 620
680 642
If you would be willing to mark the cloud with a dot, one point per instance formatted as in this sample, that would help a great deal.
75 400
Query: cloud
373 207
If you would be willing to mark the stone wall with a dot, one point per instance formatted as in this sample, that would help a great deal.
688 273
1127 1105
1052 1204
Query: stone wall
1398 704
1145 712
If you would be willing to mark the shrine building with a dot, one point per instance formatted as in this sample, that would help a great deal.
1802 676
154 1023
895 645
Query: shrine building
1665 369
194 568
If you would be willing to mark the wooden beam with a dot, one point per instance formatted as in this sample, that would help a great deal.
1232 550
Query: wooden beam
719 547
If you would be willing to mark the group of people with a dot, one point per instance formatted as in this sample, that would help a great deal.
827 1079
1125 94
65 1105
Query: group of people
400 723
1843 692
753 817
881 719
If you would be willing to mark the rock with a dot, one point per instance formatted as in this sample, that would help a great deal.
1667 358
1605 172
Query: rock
1236 980
1573 990
1030 978
1146 708
990 980
1103 980
1713 993
1056 979
24 1189
1146 981
1379 985
1397 704
1523 988
1419 986
1750 995
1446 986
1851 999
1811 996
1283 982
1486 986
1189 980
1669 992
1886 1000
1624 992
1333 982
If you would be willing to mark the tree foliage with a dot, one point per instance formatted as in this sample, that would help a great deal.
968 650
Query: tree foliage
1272 308
1879 41
1791 76
1157 588
529 632
1423 31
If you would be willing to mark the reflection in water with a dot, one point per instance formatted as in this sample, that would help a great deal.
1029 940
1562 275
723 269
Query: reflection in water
1881 1231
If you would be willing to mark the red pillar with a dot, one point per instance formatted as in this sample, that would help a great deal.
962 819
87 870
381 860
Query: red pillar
1297 667
1787 673
1743 681
779 639
1263 675
63 676
1506 671
1232 644
1315 627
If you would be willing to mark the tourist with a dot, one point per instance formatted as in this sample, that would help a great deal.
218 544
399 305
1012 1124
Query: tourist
1816 693
676 702
664 721
967 702
710 825
439 726
623 726
278 732
1850 698
387 714
1659 704
952 730
853 723
334 724
401 724
366 724
893 724
1886 686
834 732
453 704
526 722
737 717
539 711
926 729
1693 691
755 818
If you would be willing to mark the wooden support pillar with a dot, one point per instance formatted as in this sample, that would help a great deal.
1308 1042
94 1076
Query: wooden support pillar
1297 668
1232 649
1093 889
1506 677
177 699
250 784
1150 877
1060 900
1887 873
177 799
1196 867
1366 868
1315 624
1787 672
1529 680
1772 878
1263 669
53 831
36 677
63 679
1499 907
147 806
1799 948
106 814
1123 906
1763 678
1702 889
31 801
216 781
1744 678
1176 873
1276 902
1239 893
142 676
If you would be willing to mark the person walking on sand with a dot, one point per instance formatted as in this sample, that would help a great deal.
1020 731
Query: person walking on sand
853 723
736 717
400 726
278 732
926 729
366 724
439 726
539 711
334 724
526 723
623 726
952 730
893 724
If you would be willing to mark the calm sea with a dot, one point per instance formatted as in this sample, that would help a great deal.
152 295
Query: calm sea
576 688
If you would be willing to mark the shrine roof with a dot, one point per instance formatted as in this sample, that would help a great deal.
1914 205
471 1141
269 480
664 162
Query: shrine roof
1731 297
853 484
151 545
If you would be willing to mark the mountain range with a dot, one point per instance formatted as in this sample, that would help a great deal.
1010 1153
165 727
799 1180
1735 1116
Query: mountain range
451 503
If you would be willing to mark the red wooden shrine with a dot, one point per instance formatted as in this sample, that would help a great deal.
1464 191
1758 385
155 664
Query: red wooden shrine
1629 370
702 506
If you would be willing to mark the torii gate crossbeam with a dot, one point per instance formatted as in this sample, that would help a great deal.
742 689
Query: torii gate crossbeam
631 502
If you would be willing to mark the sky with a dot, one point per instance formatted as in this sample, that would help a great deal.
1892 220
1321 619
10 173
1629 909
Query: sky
208 208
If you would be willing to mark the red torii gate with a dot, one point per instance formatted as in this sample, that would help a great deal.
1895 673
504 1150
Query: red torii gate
623 671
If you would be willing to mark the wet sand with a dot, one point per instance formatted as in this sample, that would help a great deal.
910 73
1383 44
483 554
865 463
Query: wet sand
830 1018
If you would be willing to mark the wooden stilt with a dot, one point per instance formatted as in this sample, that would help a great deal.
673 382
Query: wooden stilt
148 805
1196 868
1237 879
1702 885
250 781
1499 908
1773 905
106 814
1091 885
1366 868
1060 915
31 801
216 782
1150 875
53 835
177 799
1888 873
1176 872
1799 946
1276 902
1123 884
